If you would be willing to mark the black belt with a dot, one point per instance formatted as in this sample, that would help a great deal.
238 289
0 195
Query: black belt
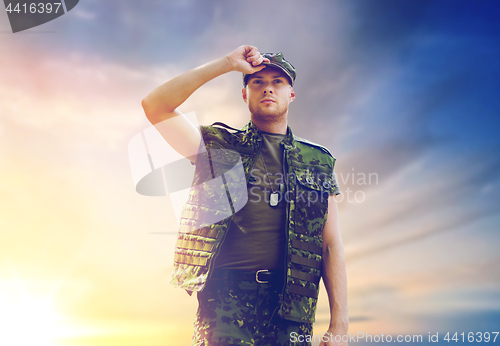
262 276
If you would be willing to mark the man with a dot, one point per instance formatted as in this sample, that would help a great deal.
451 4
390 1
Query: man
256 272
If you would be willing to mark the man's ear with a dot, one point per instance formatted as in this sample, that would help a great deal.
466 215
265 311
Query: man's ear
244 94
292 94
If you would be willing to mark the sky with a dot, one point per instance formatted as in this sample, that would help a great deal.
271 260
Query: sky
403 93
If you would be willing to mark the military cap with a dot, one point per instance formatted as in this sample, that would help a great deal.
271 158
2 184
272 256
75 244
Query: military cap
277 60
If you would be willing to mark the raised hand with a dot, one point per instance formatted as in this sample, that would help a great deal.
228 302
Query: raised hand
247 59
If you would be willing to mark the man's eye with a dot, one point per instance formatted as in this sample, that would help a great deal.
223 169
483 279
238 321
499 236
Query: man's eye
278 81
256 82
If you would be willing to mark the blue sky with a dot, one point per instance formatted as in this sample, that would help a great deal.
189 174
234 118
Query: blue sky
407 90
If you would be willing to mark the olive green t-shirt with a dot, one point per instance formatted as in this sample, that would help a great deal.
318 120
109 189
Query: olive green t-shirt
256 235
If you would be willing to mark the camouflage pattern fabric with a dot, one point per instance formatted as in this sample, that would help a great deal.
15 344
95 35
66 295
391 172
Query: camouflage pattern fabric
243 313
309 181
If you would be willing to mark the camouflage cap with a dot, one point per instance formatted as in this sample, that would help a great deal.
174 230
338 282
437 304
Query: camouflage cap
278 61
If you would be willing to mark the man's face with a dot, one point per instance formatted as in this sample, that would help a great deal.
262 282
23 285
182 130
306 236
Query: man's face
268 94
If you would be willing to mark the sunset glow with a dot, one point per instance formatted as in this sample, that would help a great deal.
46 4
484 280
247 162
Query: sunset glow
26 320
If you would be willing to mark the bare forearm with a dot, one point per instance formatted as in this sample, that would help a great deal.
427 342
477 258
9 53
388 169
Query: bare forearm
335 279
161 103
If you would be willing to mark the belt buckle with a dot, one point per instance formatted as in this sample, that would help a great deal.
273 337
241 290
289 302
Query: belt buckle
257 276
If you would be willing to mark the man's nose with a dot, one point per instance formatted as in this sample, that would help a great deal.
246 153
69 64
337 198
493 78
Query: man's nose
268 90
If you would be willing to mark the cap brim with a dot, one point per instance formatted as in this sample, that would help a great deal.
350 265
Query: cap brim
281 68
245 75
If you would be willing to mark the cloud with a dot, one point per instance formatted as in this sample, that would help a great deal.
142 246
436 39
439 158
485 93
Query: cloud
84 14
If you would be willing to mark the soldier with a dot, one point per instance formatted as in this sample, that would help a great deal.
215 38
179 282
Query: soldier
257 272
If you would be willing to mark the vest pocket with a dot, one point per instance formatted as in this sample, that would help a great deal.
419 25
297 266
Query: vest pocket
313 177
311 190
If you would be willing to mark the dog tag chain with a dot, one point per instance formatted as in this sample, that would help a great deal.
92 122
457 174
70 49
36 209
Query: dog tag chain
274 197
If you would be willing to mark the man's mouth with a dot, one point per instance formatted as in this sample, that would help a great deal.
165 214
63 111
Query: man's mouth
267 101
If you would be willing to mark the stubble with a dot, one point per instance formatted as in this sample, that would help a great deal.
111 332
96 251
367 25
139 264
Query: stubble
268 114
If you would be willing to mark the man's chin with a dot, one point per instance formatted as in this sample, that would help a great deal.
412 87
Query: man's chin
267 114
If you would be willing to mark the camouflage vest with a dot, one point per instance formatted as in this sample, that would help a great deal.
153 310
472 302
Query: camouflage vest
220 189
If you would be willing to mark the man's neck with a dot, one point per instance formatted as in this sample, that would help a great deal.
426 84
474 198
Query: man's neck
278 127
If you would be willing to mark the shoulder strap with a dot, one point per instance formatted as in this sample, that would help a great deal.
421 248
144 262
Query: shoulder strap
305 141
226 126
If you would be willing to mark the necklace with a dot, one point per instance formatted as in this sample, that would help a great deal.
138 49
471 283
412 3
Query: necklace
274 196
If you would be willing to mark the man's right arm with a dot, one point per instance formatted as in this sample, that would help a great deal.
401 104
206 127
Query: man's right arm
162 103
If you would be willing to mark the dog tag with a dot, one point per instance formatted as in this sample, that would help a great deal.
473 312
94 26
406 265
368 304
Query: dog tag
274 199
